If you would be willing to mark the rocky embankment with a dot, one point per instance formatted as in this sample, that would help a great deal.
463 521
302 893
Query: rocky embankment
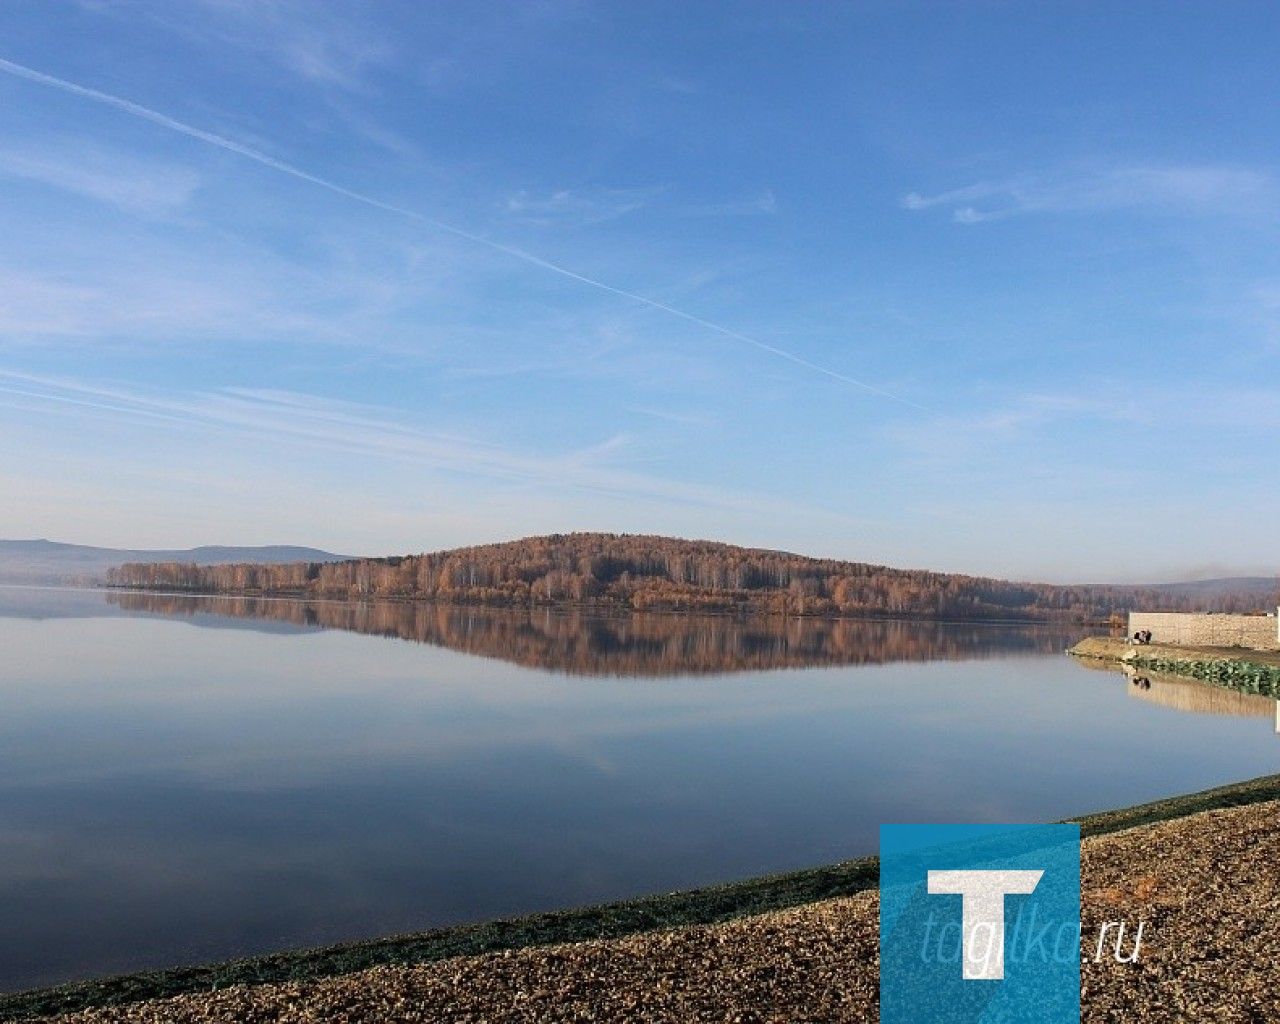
1240 669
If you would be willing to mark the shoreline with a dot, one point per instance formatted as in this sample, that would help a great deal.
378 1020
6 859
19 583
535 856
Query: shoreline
595 606
595 609
1236 668
627 921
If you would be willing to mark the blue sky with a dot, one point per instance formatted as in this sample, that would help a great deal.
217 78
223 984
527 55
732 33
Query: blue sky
983 287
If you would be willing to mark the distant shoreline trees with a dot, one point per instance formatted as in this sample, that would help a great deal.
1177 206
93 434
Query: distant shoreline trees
647 573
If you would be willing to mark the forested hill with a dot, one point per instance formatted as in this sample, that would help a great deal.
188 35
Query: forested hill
664 573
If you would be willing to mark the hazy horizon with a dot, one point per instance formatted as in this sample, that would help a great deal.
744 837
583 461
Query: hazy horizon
985 290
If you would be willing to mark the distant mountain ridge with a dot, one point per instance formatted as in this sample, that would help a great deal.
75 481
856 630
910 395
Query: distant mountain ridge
50 562
641 572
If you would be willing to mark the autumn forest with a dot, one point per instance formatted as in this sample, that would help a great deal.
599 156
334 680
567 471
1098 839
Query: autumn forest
648 573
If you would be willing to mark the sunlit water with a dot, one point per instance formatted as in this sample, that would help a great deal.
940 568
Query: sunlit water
186 780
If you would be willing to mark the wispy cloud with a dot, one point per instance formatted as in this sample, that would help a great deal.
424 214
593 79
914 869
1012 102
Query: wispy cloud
681 418
164 293
285 417
578 207
1015 421
761 204
1191 188
143 113
595 205
318 42
146 187
1040 422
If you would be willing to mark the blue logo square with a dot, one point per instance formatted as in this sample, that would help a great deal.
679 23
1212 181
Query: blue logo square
980 923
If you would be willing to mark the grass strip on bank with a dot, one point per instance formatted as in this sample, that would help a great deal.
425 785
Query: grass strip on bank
1242 675
699 906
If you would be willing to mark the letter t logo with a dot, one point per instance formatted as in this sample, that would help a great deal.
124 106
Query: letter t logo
982 911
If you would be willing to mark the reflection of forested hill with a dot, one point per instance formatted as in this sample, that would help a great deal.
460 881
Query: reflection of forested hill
664 573
636 644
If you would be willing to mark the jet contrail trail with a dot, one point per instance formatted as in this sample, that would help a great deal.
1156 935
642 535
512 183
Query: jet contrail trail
222 142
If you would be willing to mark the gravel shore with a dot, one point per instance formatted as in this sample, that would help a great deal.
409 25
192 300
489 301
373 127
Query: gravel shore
1206 886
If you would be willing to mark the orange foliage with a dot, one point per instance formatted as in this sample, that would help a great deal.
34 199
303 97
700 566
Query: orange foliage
646 573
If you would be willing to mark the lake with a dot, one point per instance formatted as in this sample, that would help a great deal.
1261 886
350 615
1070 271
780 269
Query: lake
188 779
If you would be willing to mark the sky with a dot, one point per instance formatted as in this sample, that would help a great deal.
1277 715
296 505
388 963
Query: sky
978 287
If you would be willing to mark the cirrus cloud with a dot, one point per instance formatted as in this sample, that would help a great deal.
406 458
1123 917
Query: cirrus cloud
1188 188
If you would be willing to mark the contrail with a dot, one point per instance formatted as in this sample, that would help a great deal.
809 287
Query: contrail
257 156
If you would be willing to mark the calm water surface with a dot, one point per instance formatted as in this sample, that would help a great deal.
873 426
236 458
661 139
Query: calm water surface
192 779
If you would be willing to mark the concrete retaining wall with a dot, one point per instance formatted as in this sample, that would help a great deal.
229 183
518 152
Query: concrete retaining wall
1256 632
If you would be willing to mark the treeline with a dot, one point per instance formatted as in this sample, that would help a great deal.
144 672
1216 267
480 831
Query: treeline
577 642
665 574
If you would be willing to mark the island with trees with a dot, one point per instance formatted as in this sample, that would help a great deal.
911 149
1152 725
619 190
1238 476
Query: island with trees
651 573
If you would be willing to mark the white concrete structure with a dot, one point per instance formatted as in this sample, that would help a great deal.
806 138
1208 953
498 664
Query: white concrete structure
1199 629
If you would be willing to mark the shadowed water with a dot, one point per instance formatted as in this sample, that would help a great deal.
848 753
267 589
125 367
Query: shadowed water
185 779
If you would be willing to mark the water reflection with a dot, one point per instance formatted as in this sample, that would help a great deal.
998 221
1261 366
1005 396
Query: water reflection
171 794
1195 697
639 644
